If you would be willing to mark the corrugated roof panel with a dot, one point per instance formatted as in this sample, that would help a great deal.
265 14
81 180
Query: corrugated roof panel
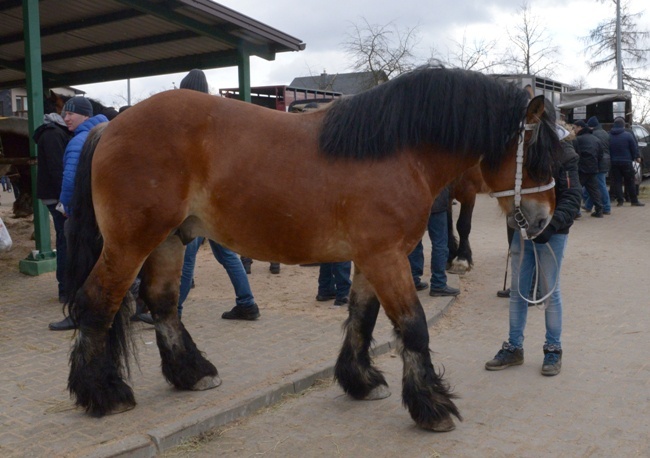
54 12
82 38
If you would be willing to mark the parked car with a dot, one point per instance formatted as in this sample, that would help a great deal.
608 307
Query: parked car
643 138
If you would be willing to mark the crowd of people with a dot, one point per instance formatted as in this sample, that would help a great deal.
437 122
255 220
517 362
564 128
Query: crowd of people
604 154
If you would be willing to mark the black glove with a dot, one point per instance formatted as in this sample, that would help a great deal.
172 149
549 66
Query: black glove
545 235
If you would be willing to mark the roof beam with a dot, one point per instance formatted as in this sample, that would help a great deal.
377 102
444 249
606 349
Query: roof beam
9 4
18 65
120 45
141 69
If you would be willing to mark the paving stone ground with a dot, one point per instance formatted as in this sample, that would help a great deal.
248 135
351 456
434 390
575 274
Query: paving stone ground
598 406
294 342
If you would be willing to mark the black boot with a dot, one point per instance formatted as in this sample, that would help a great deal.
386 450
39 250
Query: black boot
65 324
247 262
141 313
240 312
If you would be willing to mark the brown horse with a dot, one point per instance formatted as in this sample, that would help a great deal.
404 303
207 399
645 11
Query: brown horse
355 180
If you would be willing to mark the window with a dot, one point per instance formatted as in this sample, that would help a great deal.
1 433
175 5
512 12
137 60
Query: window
21 106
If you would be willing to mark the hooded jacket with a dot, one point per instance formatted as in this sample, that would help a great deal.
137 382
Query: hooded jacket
622 146
51 138
600 134
590 150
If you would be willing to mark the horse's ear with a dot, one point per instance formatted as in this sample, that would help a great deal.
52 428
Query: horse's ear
535 109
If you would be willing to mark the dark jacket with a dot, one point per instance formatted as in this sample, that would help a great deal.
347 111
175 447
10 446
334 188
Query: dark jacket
568 193
590 150
622 146
442 201
603 136
51 139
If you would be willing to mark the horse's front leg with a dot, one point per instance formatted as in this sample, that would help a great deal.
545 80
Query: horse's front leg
424 392
464 262
354 370
183 365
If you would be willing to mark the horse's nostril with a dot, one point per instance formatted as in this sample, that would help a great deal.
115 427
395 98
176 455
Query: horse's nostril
542 224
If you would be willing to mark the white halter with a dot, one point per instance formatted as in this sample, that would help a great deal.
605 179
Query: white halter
521 220
519 216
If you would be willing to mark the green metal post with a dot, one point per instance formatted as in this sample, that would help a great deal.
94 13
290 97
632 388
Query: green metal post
244 67
44 259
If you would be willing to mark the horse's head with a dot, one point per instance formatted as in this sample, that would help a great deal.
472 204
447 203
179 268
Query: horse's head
524 182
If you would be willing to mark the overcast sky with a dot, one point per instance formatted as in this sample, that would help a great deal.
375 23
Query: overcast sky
323 26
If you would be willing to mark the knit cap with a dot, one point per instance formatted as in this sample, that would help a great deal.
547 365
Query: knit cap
79 105
195 80
593 122
580 123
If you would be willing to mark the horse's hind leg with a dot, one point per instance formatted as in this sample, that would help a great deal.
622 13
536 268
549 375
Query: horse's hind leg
354 370
99 358
424 393
183 365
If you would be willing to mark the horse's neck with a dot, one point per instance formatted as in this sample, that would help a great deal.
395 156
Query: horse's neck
442 167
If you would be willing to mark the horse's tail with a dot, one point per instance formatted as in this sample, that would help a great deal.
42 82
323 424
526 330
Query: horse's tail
84 248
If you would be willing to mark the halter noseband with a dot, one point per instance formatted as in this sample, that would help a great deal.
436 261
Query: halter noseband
518 191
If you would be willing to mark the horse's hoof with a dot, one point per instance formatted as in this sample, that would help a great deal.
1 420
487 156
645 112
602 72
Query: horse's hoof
443 426
378 392
121 408
207 383
460 267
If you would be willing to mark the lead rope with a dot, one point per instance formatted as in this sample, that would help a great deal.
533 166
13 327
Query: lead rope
536 302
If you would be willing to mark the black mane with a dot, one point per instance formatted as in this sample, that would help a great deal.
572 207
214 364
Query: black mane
458 110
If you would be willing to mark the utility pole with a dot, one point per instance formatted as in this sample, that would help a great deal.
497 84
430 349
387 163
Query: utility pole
619 57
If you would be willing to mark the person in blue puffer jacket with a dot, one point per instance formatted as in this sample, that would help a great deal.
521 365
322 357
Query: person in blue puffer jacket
78 116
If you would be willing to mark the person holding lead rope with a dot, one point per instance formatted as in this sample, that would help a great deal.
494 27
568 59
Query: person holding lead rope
533 264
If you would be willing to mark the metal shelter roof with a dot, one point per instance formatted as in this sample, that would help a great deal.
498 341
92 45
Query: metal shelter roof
584 97
90 41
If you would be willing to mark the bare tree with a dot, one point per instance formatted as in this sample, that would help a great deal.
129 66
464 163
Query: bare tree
532 50
384 50
477 55
642 110
579 82
601 47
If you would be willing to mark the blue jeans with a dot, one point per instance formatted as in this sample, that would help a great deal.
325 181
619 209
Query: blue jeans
228 259
437 228
523 267
334 278
604 194
61 247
